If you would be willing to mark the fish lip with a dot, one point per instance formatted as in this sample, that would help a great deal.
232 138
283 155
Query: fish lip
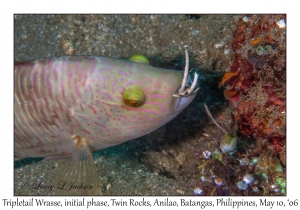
182 102
178 95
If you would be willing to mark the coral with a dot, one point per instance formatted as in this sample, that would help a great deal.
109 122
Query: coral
228 143
256 85
271 175
242 185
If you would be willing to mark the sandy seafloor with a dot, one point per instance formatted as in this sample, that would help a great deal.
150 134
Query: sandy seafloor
168 161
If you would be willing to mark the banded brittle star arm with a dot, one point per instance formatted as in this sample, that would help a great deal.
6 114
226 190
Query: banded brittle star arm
183 90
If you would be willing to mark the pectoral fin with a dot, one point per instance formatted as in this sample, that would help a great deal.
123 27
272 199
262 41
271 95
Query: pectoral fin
77 174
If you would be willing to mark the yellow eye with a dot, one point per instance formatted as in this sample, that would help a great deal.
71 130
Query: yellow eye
133 96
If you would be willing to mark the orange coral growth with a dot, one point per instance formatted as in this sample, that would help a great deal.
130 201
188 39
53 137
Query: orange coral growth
278 143
270 39
257 41
277 122
229 93
246 107
228 76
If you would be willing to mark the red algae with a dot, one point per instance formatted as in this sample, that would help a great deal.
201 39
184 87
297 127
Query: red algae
259 79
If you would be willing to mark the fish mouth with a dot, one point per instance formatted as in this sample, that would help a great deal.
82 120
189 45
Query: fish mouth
184 90
181 103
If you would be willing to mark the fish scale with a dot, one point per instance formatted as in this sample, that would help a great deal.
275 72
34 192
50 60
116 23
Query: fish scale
59 98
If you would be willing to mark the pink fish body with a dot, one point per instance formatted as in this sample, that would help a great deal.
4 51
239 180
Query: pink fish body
57 99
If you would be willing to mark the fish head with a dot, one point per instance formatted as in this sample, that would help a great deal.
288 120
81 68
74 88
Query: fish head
147 98
130 100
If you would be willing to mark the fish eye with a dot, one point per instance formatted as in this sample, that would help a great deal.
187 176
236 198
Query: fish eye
133 96
260 50
268 49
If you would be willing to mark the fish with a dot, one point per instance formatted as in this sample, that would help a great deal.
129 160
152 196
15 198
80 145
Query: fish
70 106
